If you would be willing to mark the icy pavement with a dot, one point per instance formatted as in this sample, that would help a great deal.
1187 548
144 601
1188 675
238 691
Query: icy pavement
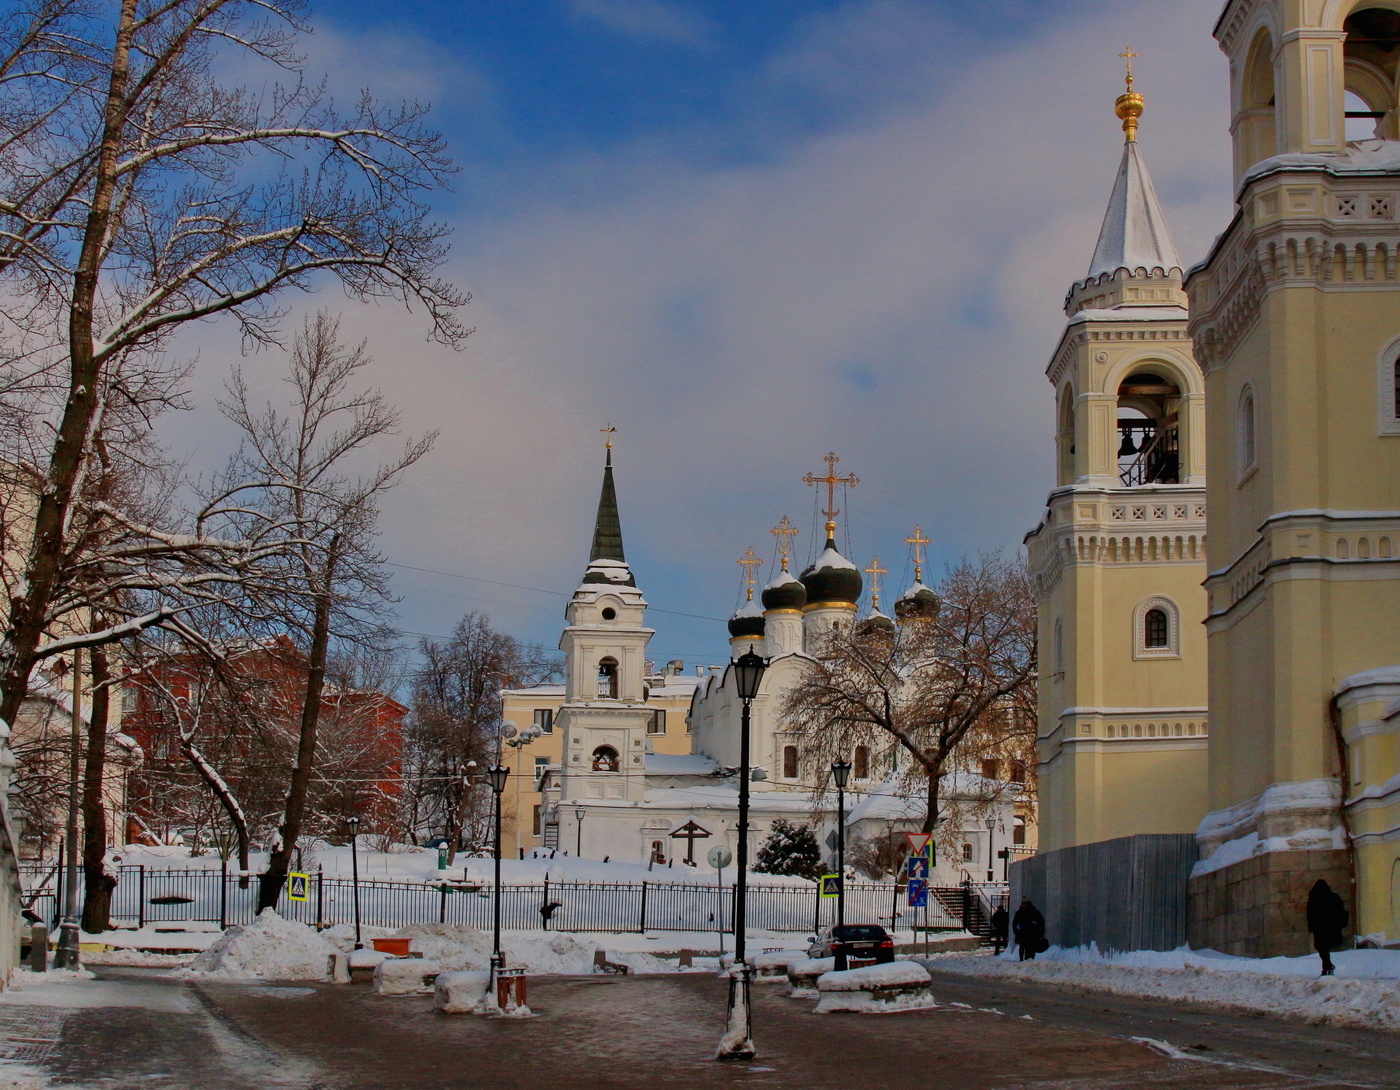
1365 993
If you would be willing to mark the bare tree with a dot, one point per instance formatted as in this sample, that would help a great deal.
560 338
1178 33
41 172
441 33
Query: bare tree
333 586
455 721
920 695
139 192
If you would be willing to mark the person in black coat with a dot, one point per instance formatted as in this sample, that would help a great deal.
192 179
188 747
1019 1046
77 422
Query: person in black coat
1028 925
999 924
1327 920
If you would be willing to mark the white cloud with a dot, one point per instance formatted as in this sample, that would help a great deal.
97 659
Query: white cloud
891 290
655 20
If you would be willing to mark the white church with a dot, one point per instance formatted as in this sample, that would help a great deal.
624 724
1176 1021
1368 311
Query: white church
615 798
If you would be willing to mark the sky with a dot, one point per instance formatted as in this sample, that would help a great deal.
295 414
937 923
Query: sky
745 233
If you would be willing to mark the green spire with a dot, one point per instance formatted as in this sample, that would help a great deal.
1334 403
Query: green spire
607 531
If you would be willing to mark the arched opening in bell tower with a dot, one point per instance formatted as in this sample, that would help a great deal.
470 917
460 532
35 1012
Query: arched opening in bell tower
1149 447
1371 57
607 678
1256 134
1064 437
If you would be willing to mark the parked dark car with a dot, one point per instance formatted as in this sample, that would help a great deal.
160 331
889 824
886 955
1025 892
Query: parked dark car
863 941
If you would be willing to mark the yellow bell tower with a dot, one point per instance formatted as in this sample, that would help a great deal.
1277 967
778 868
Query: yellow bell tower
1119 557
1295 316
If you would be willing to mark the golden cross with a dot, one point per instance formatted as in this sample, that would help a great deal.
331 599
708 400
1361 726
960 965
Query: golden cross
784 532
609 431
875 571
1128 56
918 541
831 480
749 561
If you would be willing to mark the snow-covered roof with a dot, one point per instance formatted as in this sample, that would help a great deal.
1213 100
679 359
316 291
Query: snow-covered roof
1361 157
535 690
897 800
1129 314
725 796
679 764
1134 234
750 608
830 558
676 685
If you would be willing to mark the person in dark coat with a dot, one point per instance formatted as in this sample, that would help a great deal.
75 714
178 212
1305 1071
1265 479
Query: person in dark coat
999 924
1028 925
1327 920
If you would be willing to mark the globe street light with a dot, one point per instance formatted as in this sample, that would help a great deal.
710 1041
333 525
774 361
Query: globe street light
737 1042
498 774
354 824
840 773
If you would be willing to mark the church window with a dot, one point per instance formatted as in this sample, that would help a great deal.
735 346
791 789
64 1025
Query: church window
544 720
860 763
1155 634
536 820
790 762
967 853
1388 389
1018 831
607 678
1059 649
605 759
1246 457
657 723
1157 628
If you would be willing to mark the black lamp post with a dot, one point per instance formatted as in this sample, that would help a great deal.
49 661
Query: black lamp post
840 773
737 1042
498 775
991 825
579 815
354 824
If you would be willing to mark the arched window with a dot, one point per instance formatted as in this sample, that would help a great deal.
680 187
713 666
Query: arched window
789 762
1059 648
1388 389
1246 456
1018 831
860 763
605 759
1156 626
967 853
607 678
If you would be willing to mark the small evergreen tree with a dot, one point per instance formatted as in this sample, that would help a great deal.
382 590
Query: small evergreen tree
790 849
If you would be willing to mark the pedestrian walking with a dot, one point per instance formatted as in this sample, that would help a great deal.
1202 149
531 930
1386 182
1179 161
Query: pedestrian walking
1327 920
999 924
1028 926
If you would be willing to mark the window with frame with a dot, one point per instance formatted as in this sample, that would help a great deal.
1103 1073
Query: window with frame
536 822
1246 450
789 762
544 720
1388 389
1018 831
860 763
967 853
657 723
1156 629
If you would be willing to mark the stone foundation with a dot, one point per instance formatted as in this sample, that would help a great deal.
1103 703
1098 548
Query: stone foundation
1258 907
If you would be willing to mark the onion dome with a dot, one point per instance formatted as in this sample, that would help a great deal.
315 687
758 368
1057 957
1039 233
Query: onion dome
876 622
747 620
917 601
832 578
784 592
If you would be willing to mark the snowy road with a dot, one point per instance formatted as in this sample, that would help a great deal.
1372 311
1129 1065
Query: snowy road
138 1029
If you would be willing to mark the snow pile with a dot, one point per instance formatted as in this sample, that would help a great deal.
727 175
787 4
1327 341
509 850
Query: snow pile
269 948
141 959
22 978
1365 993
875 989
455 947
892 974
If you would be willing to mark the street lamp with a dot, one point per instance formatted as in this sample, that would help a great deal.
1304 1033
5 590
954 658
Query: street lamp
737 1042
991 825
840 773
498 775
579 815
354 824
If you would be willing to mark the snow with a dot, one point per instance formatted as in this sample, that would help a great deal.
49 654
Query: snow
830 558
1365 993
893 974
1235 828
404 976
1360 157
1246 847
460 992
140 959
269 948
1134 233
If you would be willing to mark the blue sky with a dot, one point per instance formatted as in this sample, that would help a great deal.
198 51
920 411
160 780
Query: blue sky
746 233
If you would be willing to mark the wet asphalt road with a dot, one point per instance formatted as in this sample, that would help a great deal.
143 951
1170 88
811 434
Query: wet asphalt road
660 1031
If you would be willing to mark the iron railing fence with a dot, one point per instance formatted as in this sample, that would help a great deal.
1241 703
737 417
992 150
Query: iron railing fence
147 896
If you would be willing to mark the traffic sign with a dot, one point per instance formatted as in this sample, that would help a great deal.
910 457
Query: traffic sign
917 867
918 893
298 885
830 885
918 843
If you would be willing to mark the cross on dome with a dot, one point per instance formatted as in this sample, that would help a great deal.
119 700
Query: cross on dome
918 541
875 571
831 480
749 562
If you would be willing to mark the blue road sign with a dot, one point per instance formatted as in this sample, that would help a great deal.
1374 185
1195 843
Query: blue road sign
831 885
917 866
918 892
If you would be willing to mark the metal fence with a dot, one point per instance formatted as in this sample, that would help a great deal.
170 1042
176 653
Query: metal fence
146 896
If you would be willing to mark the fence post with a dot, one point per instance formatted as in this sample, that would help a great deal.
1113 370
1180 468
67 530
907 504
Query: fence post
642 929
967 904
58 890
223 893
442 903
320 897
141 896
817 916
544 920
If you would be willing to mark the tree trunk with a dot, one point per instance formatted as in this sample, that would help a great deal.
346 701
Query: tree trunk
98 883
43 565
222 792
271 881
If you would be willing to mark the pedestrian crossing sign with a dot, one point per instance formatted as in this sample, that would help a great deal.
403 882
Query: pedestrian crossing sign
830 885
298 885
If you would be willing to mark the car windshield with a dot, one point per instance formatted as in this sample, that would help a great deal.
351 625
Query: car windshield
857 932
